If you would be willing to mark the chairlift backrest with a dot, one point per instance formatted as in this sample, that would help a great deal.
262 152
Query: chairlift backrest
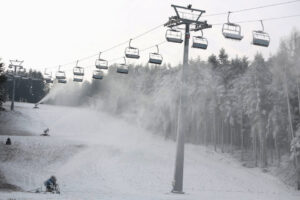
174 36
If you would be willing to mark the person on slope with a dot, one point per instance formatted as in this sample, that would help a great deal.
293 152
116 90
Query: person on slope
295 149
46 132
51 185
8 141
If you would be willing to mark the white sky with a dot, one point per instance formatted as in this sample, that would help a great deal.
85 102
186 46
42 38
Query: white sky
46 33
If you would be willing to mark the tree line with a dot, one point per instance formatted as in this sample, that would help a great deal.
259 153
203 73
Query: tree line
29 86
234 104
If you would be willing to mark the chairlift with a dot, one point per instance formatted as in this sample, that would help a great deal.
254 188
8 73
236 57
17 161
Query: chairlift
48 77
200 42
78 71
173 35
60 74
122 68
155 58
98 74
261 38
132 52
232 30
101 63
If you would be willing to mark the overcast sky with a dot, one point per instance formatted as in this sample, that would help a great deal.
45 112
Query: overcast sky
46 33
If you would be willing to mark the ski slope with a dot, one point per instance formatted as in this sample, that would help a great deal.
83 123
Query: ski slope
97 156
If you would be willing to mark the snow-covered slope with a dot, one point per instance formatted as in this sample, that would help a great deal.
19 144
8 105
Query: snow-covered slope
97 156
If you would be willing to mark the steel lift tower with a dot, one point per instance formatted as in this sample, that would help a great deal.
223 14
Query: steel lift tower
188 19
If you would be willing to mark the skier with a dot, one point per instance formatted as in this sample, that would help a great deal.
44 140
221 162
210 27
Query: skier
8 141
295 148
51 185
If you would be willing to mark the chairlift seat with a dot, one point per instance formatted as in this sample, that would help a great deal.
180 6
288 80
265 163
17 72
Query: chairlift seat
131 52
101 64
200 42
155 58
261 38
232 31
122 68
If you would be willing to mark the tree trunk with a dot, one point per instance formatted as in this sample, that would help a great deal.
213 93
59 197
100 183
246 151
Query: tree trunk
222 132
298 89
242 137
291 135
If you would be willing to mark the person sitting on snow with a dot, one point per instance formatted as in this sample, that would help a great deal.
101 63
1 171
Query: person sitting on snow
8 141
51 185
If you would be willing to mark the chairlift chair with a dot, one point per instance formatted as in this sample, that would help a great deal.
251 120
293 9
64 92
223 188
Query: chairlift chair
155 58
132 52
60 74
122 68
174 36
101 63
232 30
98 74
261 38
48 77
78 71
200 42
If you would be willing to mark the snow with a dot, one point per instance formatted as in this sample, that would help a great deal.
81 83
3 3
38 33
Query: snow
98 156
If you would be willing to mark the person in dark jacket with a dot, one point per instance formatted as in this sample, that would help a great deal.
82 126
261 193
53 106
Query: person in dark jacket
51 185
8 141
